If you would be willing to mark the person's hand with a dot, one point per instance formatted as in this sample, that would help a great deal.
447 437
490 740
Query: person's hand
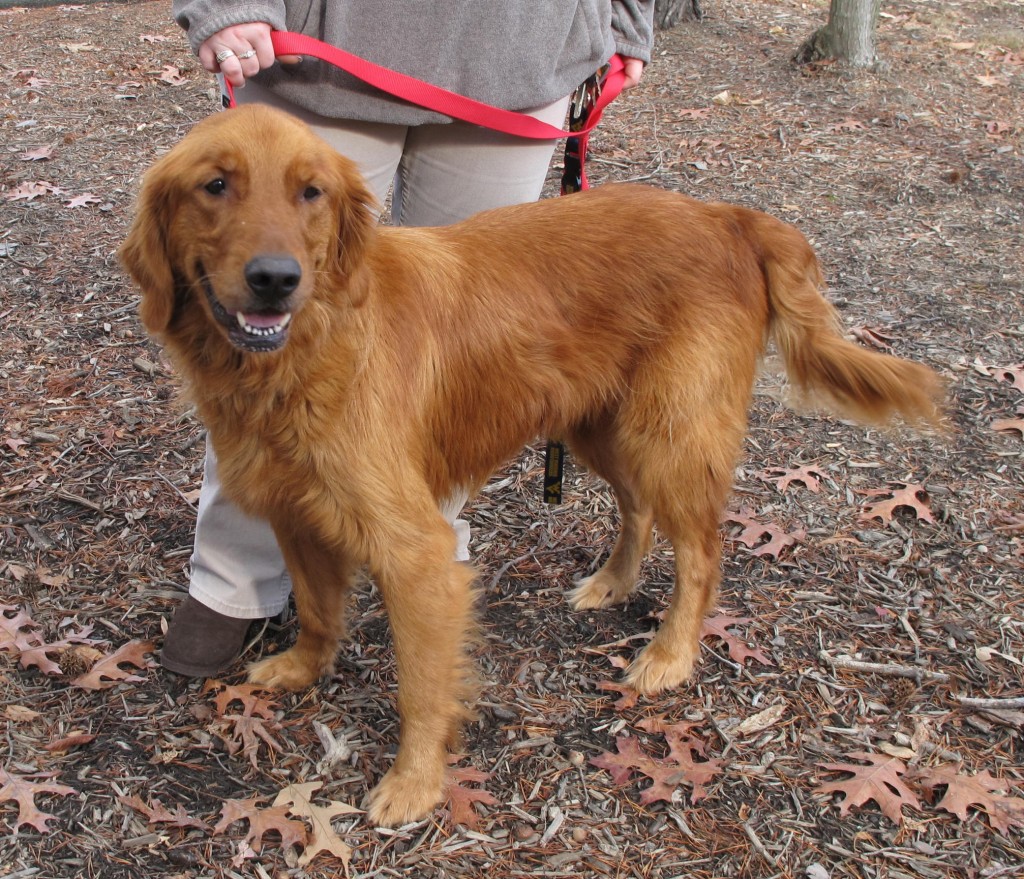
633 68
240 51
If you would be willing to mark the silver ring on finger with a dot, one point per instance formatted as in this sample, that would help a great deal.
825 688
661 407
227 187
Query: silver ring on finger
250 54
223 55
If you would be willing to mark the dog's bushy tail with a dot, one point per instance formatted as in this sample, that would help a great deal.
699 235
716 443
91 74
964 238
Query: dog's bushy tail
827 369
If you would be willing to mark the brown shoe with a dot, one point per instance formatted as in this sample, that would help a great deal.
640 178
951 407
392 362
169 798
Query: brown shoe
201 642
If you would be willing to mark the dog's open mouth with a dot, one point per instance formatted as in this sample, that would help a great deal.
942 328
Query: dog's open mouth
259 331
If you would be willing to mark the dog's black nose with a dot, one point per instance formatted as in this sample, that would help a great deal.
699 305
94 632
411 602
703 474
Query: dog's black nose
272 277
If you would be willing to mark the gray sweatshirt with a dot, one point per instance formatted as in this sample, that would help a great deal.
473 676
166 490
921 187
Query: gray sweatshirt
514 54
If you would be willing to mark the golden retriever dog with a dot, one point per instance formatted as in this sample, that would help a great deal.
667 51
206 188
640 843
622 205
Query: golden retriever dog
353 376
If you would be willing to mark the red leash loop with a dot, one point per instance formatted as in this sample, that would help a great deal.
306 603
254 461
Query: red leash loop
441 100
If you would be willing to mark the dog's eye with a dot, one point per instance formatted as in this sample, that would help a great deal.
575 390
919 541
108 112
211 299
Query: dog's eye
311 193
217 186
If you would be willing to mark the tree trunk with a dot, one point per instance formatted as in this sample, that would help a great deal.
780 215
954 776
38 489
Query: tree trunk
668 13
849 36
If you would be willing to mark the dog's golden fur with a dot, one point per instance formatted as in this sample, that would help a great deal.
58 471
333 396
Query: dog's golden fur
626 320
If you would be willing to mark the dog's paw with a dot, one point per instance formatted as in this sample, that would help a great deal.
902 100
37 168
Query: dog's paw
285 671
657 669
402 797
598 591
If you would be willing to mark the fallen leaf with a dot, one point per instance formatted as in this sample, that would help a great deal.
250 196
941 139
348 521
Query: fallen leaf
31 190
172 75
462 800
761 538
80 201
965 791
20 714
244 732
718 627
1007 424
1012 374
298 799
39 154
880 780
19 789
62 746
680 767
107 672
261 822
809 476
159 814
909 495
627 695
872 338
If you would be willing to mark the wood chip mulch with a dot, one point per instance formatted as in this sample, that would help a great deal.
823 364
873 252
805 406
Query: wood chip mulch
859 711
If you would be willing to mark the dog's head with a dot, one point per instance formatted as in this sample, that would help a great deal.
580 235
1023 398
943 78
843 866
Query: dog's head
240 223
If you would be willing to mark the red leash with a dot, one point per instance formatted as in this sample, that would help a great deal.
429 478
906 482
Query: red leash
441 100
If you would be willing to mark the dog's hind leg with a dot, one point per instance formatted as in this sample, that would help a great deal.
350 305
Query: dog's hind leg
618 576
669 659
321 581
685 460
430 607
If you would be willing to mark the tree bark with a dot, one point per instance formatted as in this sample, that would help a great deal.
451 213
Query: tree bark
668 13
848 37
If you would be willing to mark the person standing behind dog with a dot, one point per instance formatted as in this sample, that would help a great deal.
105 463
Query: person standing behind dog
515 54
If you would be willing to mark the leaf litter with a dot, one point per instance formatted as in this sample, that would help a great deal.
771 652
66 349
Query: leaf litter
886 635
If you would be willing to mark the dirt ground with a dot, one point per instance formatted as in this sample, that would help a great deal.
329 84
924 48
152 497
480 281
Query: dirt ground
858 711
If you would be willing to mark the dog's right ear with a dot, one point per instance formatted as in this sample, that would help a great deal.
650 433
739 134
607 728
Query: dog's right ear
356 217
146 255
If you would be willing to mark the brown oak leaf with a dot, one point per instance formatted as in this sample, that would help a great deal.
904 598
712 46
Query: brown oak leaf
30 190
461 800
20 635
872 337
107 672
255 700
979 790
81 201
21 790
1012 374
171 74
39 154
809 476
627 695
762 539
298 799
158 813
718 627
667 774
261 822
910 495
1008 424
244 732
881 780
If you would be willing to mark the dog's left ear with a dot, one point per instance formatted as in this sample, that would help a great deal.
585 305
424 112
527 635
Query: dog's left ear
145 252
357 211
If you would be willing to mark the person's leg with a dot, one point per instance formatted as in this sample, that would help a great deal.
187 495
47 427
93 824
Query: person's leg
238 573
450 172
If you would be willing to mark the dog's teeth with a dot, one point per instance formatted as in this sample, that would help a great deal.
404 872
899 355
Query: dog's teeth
263 331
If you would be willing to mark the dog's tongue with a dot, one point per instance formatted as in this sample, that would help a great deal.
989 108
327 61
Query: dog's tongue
263 320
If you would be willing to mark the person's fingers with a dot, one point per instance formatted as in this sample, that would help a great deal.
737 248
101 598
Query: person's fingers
238 52
633 68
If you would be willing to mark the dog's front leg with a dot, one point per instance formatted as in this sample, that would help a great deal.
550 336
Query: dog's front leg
322 578
429 603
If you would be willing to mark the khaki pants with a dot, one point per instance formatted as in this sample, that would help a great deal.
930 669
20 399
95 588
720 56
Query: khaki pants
440 174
